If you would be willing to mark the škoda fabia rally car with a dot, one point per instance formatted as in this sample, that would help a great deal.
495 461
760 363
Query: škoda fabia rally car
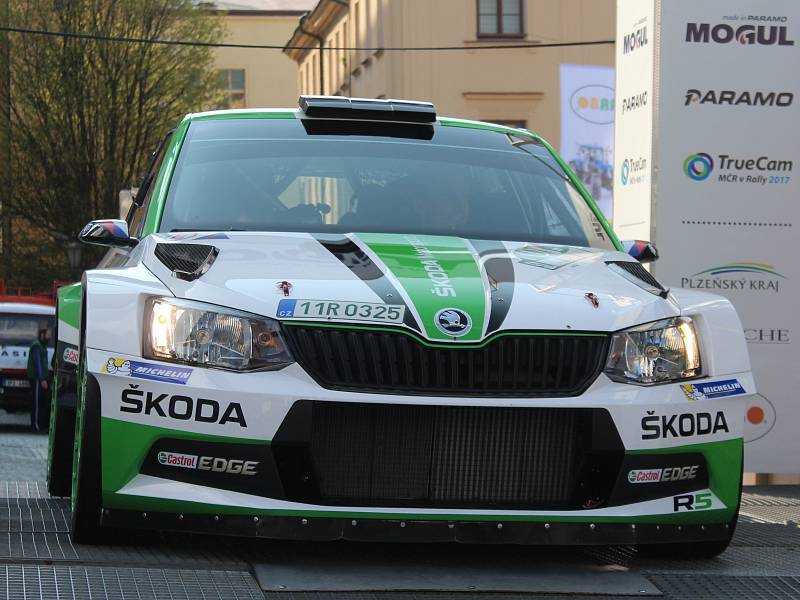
358 320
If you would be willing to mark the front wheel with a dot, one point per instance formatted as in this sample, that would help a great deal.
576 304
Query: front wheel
62 431
86 498
686 550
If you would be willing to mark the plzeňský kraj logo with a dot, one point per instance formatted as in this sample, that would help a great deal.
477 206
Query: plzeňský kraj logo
594 103
698 166
633 170
697 97
753 30
739 277
760 170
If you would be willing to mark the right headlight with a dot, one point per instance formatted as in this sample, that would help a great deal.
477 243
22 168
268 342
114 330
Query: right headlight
658 352
205 335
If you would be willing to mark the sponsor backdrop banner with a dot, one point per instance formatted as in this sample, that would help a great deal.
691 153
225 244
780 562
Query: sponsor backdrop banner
726 146
633 129
587 128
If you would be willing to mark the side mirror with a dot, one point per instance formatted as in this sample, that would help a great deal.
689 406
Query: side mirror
644 252
107 232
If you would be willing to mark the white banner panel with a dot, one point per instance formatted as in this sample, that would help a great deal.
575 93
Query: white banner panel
727 194
587 128
633 130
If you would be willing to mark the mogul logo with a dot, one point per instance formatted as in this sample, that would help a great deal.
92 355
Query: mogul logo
635 40
695 97
594 103
633 170
740 277
748 34
767 336
761 170
442 285
636 101
683 425
182 408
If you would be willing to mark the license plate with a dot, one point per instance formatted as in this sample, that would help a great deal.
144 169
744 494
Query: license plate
16 383
341 311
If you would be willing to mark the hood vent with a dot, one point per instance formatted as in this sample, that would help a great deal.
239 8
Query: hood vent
637 274
187 261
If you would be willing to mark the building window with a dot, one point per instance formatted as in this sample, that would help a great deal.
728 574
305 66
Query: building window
500 18
232 82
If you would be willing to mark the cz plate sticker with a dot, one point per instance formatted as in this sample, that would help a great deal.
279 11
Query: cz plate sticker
340 311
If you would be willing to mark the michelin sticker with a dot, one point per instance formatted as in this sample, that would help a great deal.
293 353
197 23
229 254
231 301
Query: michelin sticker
340 311
143 370
714 389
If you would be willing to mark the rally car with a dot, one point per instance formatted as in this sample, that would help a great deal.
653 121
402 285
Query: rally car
358 320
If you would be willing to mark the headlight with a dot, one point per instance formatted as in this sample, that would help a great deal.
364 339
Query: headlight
209 336
655 352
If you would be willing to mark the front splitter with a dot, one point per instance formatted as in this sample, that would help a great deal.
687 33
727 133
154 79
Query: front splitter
372 530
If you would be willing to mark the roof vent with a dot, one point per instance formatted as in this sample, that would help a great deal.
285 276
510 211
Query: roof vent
635 273
187 261
339 107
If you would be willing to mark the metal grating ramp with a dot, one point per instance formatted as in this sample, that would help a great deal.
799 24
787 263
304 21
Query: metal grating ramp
114 583
694 587
23 489
34 514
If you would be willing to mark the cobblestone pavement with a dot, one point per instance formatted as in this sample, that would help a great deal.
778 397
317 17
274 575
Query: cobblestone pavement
37 559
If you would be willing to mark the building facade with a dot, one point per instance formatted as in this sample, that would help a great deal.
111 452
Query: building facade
516 86
251 77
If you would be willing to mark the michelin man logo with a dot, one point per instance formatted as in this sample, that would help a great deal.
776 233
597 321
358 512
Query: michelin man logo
692 393
118 366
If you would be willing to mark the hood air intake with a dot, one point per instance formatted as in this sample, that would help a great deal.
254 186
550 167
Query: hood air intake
339 107
638 275
187 261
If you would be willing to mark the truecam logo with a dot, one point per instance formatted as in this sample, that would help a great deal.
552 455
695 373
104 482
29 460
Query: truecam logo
594 103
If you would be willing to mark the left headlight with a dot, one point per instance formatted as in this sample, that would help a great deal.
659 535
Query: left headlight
209 336
657 352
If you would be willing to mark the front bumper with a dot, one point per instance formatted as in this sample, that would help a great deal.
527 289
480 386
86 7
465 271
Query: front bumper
654 430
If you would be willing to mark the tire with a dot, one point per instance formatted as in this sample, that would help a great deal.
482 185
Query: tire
86 486
688 550
696 550
62 439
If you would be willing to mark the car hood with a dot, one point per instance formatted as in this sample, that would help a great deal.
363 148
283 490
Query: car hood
433 280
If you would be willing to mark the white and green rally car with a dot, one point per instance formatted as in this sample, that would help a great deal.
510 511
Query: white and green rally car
358 320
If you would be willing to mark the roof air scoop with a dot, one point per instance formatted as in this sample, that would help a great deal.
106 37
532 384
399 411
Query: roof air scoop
340 107
187 261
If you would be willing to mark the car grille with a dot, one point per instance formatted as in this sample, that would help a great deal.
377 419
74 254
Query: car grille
363 454
540 365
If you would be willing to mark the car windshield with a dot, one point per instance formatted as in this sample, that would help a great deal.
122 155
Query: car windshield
341 176
21 330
